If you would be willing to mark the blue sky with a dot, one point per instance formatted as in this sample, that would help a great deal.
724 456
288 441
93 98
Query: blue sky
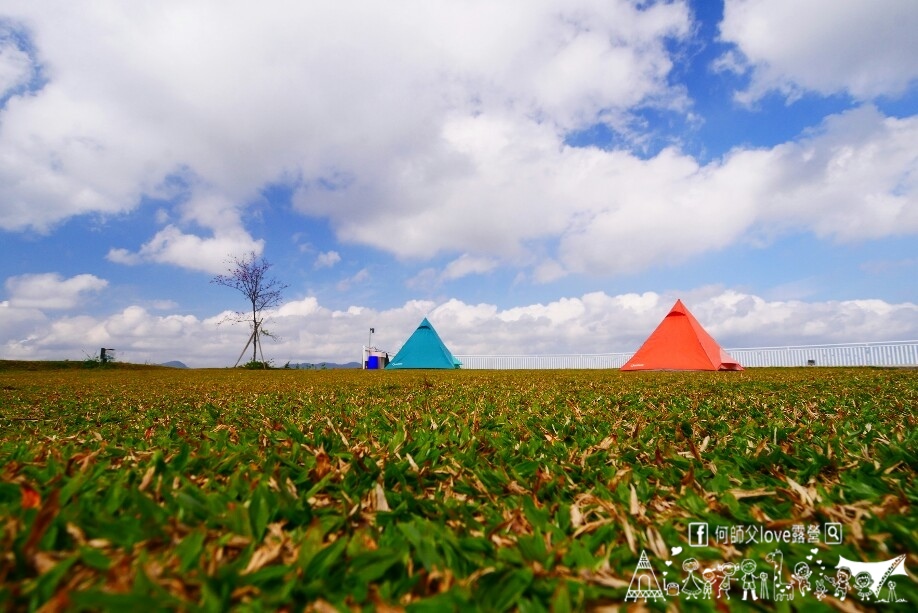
542 176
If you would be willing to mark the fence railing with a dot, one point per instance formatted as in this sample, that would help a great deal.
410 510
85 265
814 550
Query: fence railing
893 353
569 360
890 353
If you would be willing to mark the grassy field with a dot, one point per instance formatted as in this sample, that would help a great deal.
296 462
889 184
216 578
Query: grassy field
534 490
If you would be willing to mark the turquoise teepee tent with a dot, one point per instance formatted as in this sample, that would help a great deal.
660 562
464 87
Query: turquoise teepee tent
424 349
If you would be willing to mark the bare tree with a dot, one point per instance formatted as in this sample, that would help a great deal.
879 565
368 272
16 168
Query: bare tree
248 275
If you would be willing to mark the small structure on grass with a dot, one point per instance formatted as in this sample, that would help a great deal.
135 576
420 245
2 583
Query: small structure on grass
681 343
424 349
374 358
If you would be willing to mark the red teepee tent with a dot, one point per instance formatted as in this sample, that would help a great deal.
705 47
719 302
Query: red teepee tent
680 343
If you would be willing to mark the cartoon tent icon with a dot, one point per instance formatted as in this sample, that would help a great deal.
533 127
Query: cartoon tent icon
424 349
681 343
644 582
879 571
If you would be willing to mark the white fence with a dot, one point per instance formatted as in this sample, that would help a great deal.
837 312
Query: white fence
569 360
892 353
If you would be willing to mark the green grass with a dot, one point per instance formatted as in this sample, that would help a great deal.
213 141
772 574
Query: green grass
13 366
535 490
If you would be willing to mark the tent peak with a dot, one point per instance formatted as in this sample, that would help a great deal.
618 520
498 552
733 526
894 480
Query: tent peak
679 308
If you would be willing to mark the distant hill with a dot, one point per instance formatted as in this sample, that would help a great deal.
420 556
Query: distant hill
325 365
174 364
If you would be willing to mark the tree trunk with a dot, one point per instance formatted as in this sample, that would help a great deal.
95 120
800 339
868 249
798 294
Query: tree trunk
255 337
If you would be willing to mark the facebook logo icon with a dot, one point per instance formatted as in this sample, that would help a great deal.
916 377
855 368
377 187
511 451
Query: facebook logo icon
698 534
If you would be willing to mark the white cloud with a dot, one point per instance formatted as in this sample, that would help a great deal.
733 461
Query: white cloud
123 256
50 291
172 246
426 279
299 308
730 61
359 277
430 279
880 267
853 178
471 160
547 271
593 323
866 49
164 305
468 265
15 65
144 96
327 259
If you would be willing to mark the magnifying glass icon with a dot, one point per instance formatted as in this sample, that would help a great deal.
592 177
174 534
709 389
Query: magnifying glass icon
833 534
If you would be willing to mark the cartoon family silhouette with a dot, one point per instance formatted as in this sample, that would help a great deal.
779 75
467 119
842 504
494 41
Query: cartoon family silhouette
721 575
718 580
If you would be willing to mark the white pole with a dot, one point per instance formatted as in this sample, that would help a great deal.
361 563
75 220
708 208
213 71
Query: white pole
249 342
262 354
